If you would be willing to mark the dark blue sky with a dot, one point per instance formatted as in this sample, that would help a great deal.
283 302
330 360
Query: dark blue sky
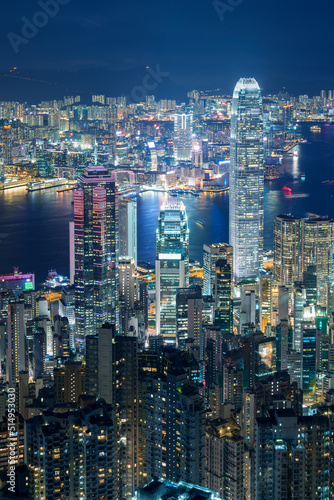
286 42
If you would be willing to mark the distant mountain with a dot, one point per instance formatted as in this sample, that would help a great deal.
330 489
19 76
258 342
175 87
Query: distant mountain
33 86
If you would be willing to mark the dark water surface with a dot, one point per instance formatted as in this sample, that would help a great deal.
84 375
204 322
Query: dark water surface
34 226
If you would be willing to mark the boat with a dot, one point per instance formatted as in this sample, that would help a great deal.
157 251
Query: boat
302 176
300 195
46 184
315 128
195 193
286 189
295 153
199 222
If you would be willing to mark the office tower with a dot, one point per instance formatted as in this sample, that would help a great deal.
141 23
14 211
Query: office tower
279 457
266 301
224 296
259 358
92 365
96 256
189 317
69 382
43 163
17 282
172 265
310 284
158 488
284 340
79 454
299 305
286 249
246 180
128 228
308 360
117 358
127 278
247 307
224 459
211 253
16 332
317 236
175 420
323 94
183 132
283 302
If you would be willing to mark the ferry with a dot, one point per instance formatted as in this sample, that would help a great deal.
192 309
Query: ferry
295 153
315 128
302 176
46 184
199 222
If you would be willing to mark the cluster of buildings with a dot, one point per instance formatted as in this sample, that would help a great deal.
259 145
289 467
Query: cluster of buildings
137 385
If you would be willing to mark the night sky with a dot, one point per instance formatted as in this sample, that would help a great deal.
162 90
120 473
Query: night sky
103 46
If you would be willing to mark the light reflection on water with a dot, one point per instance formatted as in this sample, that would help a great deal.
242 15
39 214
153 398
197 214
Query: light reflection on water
34 226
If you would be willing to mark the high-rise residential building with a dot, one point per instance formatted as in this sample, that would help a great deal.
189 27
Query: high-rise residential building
189 317
246 180
16 334
211 253
224 459
175 420
73 455
117 360
171 265
96 251
128 228
183 135
291 456
286 249
317 239
69 382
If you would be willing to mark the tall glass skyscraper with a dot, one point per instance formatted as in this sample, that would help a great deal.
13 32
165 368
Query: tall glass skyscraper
171 266
183 136
246 180
95 251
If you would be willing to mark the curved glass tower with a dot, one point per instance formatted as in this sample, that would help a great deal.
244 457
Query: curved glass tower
246 180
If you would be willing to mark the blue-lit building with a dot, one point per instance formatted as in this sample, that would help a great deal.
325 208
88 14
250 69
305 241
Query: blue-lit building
171 266
246 180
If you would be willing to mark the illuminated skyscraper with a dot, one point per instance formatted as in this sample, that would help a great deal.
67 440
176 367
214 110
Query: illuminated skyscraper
183 131
211 254
317 238
286 249
95 247
172 265
246 180
128 228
